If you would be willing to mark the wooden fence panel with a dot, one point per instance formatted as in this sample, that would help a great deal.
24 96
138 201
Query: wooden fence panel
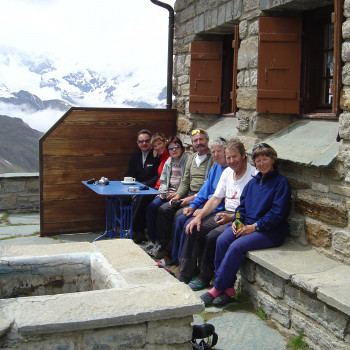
87 143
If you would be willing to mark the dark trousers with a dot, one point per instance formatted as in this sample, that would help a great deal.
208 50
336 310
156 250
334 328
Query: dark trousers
181 222
207 267
165 222
192 245
139 214
151 218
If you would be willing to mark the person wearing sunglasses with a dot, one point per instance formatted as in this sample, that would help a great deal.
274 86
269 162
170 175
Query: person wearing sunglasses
143 166
196 172
264 209
170 179
158 144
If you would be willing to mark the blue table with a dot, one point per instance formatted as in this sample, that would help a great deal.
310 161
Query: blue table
119 210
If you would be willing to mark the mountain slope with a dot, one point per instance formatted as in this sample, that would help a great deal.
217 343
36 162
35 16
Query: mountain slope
19 146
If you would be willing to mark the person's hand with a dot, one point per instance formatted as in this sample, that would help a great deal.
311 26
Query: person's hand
186 201
225 218
195 223
196 212
245 230
170 196
234 227
188 211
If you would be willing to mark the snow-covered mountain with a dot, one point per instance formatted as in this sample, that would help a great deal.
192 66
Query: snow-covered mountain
37 84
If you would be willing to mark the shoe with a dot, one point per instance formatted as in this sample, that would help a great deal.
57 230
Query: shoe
197 284
223 299
161 254
207 298
168 260
181 279
138 237
152 251
175 270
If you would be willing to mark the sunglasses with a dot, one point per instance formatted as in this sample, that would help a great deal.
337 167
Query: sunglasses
173 148
197 131
261 145
143 141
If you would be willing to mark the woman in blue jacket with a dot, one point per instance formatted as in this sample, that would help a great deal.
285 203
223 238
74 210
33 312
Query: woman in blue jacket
264 209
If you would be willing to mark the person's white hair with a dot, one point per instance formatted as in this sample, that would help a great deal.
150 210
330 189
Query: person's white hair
218 141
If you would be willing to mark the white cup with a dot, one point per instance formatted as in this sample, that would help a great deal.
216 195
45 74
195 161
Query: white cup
129 179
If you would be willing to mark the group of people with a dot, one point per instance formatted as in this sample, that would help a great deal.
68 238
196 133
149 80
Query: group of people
191 224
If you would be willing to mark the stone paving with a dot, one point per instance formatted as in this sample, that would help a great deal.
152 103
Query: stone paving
237 326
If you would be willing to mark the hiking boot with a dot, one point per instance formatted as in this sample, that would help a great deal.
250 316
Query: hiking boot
197 284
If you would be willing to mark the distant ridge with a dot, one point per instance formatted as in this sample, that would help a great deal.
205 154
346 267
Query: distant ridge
19 146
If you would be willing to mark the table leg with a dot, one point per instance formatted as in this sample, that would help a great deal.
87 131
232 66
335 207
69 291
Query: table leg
125 218
111 220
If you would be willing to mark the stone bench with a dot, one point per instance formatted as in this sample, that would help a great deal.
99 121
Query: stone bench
302 291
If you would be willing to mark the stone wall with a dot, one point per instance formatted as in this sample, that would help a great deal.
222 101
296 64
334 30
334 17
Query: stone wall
294 309
320 196
19 192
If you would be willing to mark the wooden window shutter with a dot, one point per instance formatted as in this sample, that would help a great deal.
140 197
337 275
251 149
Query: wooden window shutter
279 65
205 78
337 19
235 46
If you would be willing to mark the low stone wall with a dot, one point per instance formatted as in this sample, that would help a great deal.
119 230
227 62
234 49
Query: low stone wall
301 291
139 305
19 192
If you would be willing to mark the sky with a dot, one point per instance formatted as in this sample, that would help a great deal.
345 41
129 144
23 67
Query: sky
108 35
112 37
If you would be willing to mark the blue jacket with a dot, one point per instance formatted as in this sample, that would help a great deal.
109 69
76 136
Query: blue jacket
208 188
265 201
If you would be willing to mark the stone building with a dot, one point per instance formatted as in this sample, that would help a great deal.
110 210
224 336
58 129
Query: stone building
277 71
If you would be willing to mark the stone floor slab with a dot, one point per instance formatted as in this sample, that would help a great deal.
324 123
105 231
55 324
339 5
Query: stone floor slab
24 219
242 330
25 230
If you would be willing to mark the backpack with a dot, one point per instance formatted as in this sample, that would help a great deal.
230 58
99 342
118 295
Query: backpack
203 331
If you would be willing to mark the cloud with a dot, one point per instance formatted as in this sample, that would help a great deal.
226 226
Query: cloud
41 120
112 37
108 35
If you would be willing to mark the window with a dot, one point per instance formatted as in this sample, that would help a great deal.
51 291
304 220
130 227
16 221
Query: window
318 56
299 68
213 79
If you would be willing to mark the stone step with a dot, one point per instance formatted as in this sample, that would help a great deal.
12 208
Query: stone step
310 271
302 291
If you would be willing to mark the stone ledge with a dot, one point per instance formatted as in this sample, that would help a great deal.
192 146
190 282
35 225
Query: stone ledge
10 175
148 293
309 271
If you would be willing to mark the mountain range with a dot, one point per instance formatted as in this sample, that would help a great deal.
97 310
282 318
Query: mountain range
19 146
39 91
80 87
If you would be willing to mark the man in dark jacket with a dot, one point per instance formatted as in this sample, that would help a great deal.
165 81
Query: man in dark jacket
143 167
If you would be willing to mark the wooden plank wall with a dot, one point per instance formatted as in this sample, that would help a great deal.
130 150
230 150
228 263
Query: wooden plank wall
87 143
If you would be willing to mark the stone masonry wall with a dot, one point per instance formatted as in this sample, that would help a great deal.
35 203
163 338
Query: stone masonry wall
320 196
294 310
162 335
19 192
